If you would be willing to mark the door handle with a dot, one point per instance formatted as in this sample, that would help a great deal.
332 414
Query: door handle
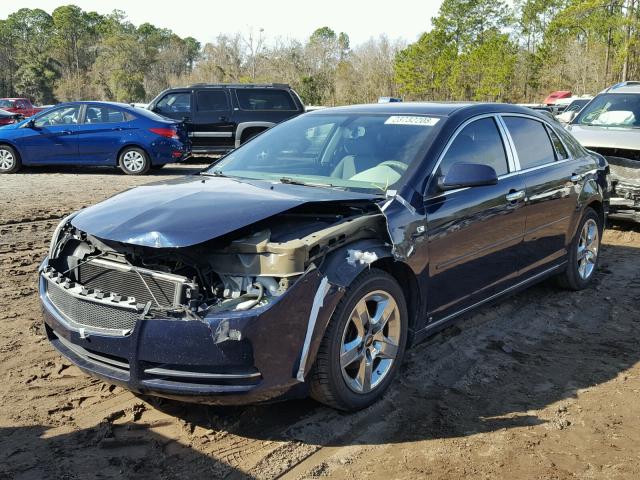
222 118
67 132
515 196
576 177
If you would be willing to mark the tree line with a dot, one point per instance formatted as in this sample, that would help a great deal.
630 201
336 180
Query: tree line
486 50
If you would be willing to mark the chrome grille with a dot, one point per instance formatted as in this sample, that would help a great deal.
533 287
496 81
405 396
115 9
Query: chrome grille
111 277
89 313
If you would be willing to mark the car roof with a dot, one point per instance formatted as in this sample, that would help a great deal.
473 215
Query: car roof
97 102
624 87
443 109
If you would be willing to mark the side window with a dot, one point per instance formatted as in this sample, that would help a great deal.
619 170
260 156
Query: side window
212 101
264 99
59 116
104 115
478 142
561 152
531 141
179 102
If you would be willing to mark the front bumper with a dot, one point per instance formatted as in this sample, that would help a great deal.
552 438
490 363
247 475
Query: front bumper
229 358
624 209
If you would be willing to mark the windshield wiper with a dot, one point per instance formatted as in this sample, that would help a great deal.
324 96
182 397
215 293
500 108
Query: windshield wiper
293 181
215 173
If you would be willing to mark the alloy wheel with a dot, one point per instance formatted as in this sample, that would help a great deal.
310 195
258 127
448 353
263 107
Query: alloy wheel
7 160
588 249
370 341
133 161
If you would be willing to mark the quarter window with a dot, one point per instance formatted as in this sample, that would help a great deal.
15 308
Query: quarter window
561 152
212 101
479 142
531 141
264 99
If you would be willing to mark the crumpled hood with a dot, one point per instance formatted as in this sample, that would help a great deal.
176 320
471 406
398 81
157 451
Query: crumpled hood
192 210
606 137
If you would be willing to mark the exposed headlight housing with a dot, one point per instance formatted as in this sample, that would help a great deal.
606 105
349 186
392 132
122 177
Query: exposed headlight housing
56 234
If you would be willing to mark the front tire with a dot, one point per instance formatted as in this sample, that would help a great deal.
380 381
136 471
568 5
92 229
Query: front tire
9 160
584 252
134 161
364 344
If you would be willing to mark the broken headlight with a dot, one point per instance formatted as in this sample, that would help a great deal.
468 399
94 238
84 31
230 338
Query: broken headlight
56 234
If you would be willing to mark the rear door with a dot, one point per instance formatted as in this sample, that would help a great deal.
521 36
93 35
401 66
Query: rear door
211 127
549 174
100 133
475 234
53 138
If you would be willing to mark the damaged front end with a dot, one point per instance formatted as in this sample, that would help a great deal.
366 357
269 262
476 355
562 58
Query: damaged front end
624 165
227 316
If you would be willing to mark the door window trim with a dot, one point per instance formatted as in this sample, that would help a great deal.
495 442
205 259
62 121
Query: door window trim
511 164
544 123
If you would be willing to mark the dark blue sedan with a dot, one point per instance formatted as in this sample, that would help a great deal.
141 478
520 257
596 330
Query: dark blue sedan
310 258
94 134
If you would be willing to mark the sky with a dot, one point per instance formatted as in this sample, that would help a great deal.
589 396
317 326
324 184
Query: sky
205 19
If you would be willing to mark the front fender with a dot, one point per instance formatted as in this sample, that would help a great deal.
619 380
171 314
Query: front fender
342 266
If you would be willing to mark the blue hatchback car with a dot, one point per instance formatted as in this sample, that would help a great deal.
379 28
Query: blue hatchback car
94 134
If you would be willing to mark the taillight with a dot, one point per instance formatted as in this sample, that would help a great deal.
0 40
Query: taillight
166 132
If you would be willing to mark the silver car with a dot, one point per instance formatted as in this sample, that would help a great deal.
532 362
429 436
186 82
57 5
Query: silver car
610 126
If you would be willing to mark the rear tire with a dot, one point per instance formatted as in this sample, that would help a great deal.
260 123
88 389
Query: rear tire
134 161
9 160
363 346
584 253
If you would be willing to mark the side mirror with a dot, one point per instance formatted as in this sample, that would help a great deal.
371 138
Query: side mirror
462 175
31 124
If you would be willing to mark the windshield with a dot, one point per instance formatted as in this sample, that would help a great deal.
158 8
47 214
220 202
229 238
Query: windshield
7 103
612 110
355 152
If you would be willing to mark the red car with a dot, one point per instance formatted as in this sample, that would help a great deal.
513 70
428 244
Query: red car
22 106
551 99
7 118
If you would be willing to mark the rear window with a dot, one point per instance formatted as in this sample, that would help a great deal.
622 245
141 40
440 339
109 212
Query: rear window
265 99
212 101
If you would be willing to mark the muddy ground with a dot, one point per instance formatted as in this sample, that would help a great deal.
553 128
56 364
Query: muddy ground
545 385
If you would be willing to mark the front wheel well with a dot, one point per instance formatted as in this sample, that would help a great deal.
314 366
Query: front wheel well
7 144
599 209
409 284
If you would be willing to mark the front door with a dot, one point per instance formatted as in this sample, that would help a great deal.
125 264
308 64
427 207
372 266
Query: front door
52 138
475 234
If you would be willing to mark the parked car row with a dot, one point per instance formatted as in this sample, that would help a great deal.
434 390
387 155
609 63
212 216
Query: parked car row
199 118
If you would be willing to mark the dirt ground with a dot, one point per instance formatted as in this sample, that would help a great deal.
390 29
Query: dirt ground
544 385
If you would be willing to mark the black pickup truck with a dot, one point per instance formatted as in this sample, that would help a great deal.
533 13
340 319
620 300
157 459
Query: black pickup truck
220 117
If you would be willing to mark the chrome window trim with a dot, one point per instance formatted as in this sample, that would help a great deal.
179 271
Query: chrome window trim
507 151
509 145
543 122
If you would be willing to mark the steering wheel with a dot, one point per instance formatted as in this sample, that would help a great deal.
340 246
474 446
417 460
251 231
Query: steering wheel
396 165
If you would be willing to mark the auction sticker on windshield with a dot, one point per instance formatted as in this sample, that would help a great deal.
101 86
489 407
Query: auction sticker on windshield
411 120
